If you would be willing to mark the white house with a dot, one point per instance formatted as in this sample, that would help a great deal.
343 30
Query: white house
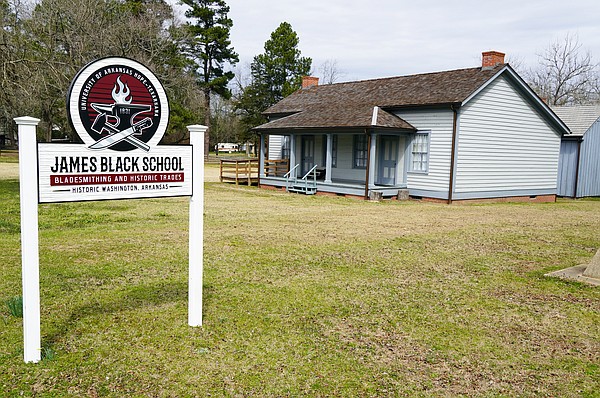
463 134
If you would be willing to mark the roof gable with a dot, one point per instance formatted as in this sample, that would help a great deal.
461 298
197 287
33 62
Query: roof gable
527 92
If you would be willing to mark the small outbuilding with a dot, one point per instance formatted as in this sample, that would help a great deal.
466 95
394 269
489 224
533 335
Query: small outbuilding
475 133
579 162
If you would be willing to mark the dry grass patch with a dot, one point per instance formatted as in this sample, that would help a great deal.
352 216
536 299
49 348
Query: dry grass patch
308 296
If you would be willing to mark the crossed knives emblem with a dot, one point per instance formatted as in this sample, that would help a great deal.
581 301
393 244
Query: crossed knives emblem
124 129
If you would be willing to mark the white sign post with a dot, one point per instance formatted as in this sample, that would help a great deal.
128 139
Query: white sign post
120 159
28 188
196 251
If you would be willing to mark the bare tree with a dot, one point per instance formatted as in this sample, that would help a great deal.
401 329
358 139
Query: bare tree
226 126
330 72
566 74
517 63
42 48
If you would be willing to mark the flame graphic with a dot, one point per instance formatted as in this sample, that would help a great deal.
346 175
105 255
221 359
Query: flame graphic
121 95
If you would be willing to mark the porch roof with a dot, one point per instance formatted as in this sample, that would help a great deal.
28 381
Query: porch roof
357 116
353 104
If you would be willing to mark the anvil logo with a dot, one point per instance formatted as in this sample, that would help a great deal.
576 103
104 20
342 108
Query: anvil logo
125 114
118 104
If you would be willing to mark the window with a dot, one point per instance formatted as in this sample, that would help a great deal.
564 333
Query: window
333 150
285 148
420 153
360 151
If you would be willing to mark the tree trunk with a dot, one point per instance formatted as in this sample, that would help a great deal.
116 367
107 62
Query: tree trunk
206 122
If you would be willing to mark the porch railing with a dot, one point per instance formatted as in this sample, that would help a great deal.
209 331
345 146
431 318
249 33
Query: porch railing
276 167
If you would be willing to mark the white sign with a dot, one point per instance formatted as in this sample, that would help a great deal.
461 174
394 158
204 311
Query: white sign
71 173
120 111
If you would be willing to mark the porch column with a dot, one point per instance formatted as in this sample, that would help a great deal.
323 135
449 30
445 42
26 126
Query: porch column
371 181
292 152
261 156
329 159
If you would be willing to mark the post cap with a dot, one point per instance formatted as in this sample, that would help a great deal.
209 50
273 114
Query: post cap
26 121
197 128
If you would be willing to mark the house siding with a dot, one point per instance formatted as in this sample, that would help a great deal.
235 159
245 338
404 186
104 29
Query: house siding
589 169
275 147
434 183
567 168
345 169
504 145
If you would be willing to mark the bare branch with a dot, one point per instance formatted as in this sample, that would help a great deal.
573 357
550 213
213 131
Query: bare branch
566 74
330 72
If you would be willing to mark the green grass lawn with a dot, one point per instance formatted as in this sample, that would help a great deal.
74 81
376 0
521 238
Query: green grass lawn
312 296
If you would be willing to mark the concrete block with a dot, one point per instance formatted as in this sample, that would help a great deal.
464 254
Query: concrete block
375 196
593 269
403 194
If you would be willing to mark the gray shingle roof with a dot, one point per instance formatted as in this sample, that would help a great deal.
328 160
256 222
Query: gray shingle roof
578 118
352 104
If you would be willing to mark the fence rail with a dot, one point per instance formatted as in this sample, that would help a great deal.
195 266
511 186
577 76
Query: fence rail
240 171
276 167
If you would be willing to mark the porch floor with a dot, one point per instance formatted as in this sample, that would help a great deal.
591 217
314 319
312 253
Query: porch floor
343 187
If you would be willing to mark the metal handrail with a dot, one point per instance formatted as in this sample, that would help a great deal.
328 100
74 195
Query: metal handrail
294 181
310 171
288 176
290 172
314 180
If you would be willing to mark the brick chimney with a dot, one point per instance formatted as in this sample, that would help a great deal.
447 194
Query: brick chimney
309 81
491 59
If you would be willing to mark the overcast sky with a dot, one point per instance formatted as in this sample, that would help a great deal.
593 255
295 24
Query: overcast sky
379 38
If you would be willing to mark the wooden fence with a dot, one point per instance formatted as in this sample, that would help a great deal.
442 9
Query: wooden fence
244 171
276 168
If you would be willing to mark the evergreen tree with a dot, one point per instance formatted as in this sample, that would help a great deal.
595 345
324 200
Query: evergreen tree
211 47
275 74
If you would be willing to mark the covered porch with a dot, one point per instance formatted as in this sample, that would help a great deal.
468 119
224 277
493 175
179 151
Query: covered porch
368 163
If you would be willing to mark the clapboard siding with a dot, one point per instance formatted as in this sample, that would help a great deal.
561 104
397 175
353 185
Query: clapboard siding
439 122
504 144
275 147
589 171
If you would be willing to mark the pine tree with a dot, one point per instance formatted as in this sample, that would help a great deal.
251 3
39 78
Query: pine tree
275 74
211 47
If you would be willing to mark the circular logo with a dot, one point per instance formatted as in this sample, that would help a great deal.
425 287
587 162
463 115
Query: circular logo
118 104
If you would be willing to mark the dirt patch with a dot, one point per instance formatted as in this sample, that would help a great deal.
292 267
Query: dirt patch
9 170
211 173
